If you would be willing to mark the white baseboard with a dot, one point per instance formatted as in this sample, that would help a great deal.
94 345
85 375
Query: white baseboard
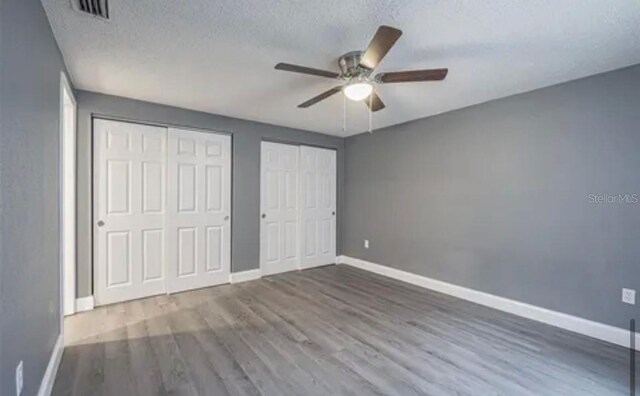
575 324
84 304
244 276
46 386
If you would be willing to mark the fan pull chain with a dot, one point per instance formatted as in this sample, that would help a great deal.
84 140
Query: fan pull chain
370 113
344 113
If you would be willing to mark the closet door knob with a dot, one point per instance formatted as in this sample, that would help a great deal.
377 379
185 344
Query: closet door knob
333 213
264 216
100 223
226 218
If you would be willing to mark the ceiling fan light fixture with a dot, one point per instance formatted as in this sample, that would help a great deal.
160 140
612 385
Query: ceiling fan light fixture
358 91
356 68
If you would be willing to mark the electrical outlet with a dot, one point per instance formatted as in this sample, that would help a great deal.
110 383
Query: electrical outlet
366 244
19 379
629 296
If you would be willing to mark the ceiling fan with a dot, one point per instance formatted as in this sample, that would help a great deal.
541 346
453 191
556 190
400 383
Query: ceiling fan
356 68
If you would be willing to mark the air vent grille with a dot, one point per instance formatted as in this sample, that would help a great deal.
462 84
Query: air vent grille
97 8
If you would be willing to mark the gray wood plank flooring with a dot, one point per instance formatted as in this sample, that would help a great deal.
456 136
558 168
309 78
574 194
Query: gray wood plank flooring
328 331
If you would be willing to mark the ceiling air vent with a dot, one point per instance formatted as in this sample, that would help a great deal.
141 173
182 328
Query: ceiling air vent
96 8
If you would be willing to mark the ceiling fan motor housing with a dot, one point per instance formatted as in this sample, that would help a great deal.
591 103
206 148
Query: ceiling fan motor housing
350 67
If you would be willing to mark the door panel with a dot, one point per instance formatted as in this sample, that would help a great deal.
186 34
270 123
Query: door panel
118 186
318 206
130 191
214 248
186 251
186 188
309 237
119 258
153 177
214 188
152 254
199 209
279 226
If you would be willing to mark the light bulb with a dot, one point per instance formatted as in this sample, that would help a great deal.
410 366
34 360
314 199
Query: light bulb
358 91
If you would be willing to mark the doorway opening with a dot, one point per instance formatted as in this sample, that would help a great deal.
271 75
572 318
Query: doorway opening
68 109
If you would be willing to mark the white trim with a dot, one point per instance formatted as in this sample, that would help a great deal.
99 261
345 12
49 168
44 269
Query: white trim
67 182
46 386
84 304
244 276
614 335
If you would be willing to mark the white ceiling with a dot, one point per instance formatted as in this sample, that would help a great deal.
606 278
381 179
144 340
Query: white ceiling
218 56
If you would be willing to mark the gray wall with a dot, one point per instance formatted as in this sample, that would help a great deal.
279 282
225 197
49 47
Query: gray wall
495 197
30 65
247 136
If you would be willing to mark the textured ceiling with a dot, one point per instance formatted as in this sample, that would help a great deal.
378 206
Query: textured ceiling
218 56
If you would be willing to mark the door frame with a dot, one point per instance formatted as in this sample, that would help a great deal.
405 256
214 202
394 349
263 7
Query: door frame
67 198
95 184
299 145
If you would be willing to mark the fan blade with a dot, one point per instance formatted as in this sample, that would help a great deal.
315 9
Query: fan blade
305 70
412 75
380 44
374 102
320 97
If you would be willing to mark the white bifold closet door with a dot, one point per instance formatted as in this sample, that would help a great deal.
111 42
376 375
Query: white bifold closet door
279 192
318 207
130 242
199 209
162 207
298 207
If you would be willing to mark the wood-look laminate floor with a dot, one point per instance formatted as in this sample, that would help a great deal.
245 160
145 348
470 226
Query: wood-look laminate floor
327 331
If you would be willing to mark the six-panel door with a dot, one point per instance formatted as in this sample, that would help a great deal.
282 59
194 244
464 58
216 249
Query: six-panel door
199 209
318 206
279 223
130 211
